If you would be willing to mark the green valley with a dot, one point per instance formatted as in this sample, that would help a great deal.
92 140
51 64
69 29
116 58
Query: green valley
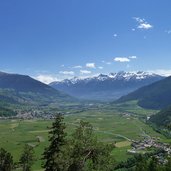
111 126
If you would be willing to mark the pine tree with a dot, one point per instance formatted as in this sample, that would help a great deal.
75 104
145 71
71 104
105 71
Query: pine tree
27 158
87 154
6 160
52 155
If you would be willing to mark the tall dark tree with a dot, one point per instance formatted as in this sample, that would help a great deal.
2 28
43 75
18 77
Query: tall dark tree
27 158
53 155
6 160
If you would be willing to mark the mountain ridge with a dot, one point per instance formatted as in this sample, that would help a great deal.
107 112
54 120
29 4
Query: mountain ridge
154 96
22 90
102 87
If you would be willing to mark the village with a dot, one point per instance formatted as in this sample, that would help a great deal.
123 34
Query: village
151 144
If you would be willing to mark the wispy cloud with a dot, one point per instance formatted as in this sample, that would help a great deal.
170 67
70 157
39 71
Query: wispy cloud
142 24
121 59
107 63
85 72
115 35
132 57
67 72
100 67
46 78
90 65
77 67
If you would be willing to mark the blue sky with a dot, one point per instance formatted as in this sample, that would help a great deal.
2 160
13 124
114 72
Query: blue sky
57 39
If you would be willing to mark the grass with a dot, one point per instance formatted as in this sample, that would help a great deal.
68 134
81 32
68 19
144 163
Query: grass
123 144
110 126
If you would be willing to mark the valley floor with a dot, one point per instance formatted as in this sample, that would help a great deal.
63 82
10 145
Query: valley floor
111 126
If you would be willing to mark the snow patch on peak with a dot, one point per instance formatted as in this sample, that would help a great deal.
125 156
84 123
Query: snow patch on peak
122 75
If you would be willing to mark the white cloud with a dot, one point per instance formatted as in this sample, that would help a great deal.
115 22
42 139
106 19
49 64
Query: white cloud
145 26
133 29
90 65
121 59
46 78
62 66
67 72
132 57
100 67
108 63
85 72
115 35
162 72
139 20
76 67
142 23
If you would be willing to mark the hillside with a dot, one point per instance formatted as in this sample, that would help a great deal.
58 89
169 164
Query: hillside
163 118
21 91
106 87
154 96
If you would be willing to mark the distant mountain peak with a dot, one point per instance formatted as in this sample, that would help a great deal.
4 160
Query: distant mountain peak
106 86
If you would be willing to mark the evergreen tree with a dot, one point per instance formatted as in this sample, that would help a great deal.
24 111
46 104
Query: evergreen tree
27 158
6 160
86 153
53 155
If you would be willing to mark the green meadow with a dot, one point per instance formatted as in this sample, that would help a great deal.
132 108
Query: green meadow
110 126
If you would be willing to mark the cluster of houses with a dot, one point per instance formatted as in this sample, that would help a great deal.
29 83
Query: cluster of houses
142 146
31 114
149 142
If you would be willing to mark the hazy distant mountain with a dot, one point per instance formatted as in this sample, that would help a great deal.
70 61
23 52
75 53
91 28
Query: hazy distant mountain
106 87
23 89
154 96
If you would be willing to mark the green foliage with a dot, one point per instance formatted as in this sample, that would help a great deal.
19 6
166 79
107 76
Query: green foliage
27 158
52 155
80 152
6 160
6 112
87 153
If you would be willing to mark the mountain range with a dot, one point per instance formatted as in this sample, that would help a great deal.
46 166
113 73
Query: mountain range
106 87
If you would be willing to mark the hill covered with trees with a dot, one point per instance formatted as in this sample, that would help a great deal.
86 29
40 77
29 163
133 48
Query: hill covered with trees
153 96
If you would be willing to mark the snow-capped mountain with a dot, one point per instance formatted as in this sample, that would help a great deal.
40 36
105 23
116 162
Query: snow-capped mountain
106 87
